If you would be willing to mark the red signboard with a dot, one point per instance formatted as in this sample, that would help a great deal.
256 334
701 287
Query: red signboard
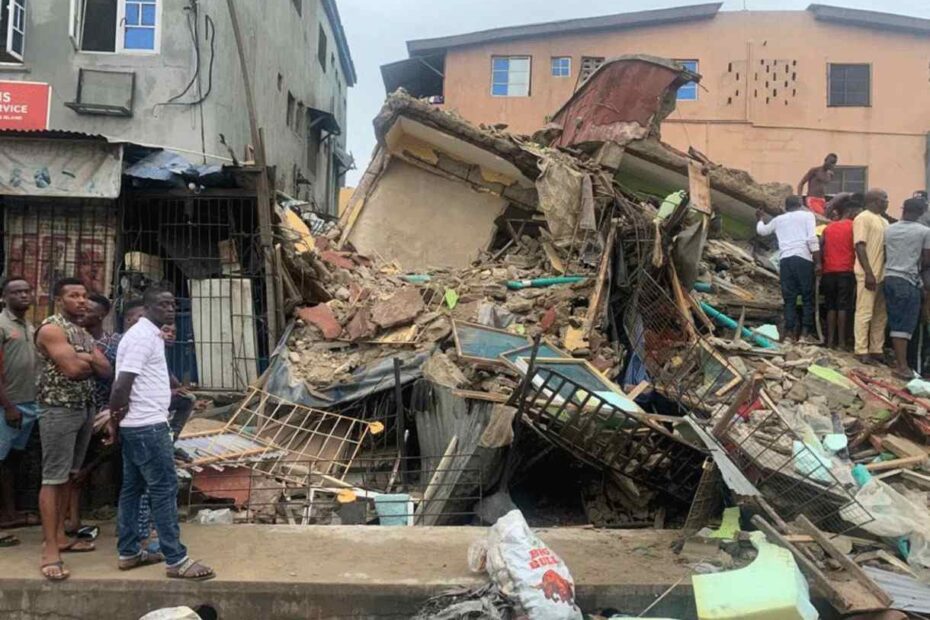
24 105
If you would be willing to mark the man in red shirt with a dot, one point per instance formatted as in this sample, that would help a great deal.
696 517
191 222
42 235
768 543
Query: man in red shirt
838 282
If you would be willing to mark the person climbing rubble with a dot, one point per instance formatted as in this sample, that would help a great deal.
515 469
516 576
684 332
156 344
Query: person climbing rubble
799 263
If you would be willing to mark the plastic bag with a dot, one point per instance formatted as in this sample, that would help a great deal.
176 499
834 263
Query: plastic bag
528 572
896 515
215 517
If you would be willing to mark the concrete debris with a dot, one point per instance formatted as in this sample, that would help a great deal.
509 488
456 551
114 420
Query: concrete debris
398 309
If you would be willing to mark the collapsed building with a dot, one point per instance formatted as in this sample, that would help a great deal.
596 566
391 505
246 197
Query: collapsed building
570 323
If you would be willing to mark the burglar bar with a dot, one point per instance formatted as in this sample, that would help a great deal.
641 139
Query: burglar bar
206 249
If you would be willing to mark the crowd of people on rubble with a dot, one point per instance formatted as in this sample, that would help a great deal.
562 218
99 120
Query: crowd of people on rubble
865 264
89 390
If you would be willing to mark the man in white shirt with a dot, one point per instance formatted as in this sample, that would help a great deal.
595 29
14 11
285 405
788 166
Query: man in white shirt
799 263
139 404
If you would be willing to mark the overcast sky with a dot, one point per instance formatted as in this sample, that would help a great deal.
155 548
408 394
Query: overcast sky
379 29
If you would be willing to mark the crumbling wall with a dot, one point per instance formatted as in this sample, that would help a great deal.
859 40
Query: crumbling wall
410 209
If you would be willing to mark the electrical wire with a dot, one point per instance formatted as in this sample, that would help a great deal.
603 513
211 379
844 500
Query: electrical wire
209 35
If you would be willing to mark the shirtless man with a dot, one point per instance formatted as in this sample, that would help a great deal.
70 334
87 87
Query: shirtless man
816 180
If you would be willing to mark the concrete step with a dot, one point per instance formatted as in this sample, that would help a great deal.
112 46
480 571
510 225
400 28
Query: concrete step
298 572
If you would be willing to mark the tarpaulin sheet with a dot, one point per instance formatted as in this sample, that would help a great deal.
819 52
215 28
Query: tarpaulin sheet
61 168
367 380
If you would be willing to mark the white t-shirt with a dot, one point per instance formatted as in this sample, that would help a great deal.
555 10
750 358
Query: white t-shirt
796 232
141 352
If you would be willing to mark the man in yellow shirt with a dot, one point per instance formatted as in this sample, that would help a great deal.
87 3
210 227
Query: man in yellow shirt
869 239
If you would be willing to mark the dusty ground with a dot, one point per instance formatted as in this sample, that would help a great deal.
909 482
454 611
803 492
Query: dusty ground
366 554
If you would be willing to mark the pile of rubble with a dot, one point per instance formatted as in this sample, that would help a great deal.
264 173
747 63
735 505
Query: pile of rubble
480 284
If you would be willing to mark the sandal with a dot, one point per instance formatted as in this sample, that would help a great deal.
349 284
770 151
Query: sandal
87 532
8 540
78 546
191 570
60 573
143 559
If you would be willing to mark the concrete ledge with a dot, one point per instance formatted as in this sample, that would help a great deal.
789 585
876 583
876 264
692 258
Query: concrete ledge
285 572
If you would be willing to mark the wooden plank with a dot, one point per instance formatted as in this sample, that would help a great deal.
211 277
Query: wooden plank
902 447
422 515
820 580
844 561
744 395
699 187
639 389
492 397
908 461
554 259
920 480
594 303
683 308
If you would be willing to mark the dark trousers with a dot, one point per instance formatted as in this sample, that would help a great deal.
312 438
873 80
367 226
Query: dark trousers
797 279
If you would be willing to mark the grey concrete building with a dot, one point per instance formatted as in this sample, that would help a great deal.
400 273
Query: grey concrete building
166 73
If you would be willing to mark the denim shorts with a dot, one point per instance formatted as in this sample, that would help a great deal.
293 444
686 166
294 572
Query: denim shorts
17 438
65 433
903 299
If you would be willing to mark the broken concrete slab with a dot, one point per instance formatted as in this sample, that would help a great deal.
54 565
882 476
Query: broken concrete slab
399 309
323 318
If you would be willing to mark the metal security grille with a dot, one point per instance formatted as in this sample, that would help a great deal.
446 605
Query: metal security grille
45 240
206 250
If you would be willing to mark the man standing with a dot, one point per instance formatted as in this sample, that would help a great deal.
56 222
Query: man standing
839 262
139 402
907 253
17 388
799 262
817 180
68 363
871 314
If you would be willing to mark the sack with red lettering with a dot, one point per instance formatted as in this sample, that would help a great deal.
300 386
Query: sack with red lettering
528 572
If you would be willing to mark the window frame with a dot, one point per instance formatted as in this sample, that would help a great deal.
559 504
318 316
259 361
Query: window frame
840 188
552 66
529 74
76 29
685 63
14 8
830 102
322 46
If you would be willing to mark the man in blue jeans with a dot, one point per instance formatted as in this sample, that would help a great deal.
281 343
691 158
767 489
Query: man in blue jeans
799 263
139 405
907 253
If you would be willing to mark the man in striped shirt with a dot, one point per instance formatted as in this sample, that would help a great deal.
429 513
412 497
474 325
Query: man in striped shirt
139 405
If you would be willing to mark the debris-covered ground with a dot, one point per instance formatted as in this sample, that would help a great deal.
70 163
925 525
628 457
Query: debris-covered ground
503 322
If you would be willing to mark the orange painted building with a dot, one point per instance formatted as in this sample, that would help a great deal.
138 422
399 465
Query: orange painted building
779 89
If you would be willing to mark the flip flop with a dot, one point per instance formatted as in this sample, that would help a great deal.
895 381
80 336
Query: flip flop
8 540
143 559
183 571
78 546
88 532
60 575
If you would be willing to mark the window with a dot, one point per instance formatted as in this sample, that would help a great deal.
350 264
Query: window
321 49
849 179
589 64
298 6
561 66
849 85
12 30
299 118
510 76
291 103
139 24
132 26
688 92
